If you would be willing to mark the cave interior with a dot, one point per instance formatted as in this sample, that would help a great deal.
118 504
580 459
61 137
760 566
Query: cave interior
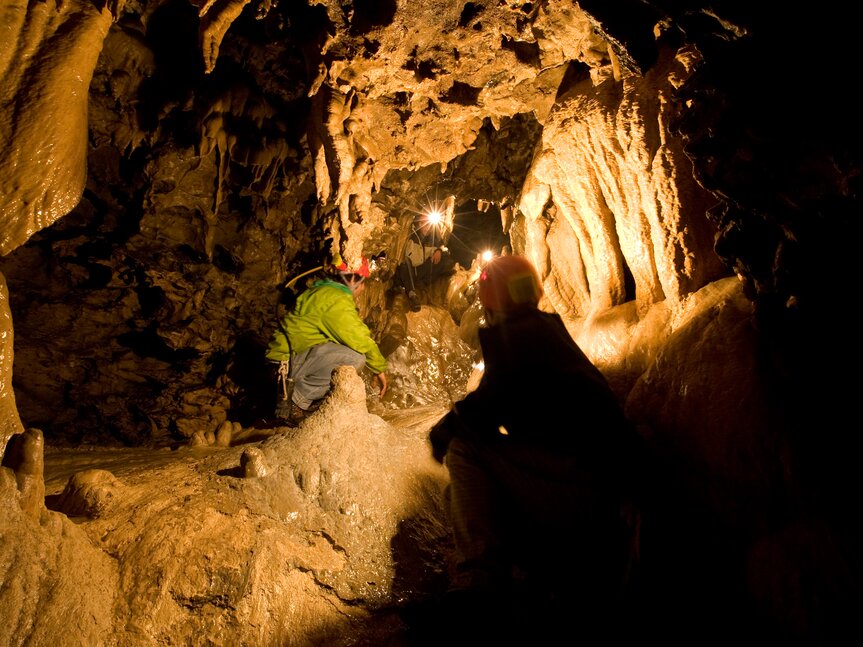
685 176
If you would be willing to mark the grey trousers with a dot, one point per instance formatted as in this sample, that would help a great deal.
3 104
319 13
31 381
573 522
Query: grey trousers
312 370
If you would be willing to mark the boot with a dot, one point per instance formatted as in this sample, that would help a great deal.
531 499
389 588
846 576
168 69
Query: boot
284 408
297 414
414 301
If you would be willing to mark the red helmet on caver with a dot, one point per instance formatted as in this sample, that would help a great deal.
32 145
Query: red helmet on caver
508 284
360 267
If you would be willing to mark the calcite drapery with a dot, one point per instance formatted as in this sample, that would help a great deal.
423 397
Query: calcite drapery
10 421
610 192
48 53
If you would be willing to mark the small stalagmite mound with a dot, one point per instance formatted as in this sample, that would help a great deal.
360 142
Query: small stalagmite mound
91 493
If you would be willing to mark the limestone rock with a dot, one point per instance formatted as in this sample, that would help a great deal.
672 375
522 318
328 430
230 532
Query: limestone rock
307 542
698 370
44 121
57 581
224 434
661 160
198 439
24 455
91 493
10 421
253 463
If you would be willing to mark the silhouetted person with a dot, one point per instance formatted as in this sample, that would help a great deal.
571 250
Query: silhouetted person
542 464
426 259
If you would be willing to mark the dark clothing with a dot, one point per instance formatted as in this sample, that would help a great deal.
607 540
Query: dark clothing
541 460
412 278
418 267
544 391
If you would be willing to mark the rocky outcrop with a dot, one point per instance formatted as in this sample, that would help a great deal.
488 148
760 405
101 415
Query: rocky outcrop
47 59
610 198
310 536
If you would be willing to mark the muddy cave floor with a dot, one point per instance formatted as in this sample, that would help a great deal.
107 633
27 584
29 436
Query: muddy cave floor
541 608
539 611
532 612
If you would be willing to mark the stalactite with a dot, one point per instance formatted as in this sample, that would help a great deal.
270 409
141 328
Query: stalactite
215 24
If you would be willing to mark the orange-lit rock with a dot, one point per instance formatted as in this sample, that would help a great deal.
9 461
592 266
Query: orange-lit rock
692 211
47 59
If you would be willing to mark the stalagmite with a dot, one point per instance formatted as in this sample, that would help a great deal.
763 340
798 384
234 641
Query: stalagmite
224 433
253 463
24 455
90 493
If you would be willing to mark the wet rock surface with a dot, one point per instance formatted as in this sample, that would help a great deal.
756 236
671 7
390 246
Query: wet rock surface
315 530
685 175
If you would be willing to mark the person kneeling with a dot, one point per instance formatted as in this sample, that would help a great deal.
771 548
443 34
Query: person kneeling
322 331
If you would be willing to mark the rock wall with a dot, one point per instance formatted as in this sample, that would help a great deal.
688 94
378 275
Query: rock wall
10 421
612 207
46 63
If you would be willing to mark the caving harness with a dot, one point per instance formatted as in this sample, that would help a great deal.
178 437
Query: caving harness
284 381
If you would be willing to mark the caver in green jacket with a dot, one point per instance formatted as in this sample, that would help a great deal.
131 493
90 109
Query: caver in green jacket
326 312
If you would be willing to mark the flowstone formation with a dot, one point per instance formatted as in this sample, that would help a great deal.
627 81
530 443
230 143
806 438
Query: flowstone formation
47 59
312 535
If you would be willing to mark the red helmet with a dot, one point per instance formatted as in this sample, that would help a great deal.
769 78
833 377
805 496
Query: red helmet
508 284
361 267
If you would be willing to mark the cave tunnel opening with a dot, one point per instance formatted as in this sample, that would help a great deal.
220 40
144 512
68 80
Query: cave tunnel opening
477 228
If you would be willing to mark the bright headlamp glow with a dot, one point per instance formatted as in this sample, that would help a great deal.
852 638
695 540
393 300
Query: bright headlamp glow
487 255
434 217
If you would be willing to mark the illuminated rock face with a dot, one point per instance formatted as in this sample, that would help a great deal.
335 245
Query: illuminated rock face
46 64
207 183
147 227
10 422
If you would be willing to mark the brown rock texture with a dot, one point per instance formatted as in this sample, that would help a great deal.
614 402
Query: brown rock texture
685 176
46 63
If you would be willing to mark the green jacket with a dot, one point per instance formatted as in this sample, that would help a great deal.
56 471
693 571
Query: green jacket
326 312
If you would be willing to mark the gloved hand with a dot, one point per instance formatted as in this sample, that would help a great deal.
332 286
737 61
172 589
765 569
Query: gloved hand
439 436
